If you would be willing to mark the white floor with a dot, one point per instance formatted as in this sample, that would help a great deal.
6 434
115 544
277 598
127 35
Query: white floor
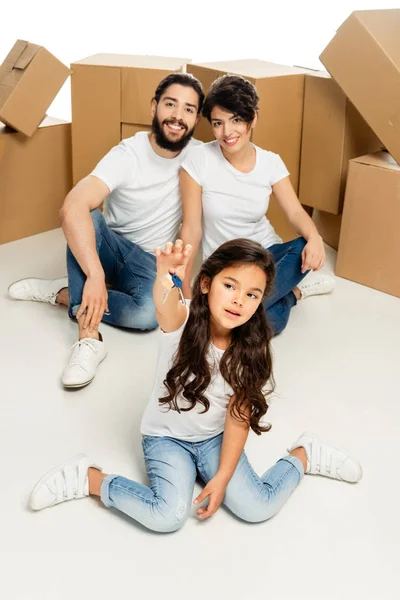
337 370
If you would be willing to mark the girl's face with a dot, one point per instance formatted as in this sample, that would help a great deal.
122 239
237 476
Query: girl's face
234 295
230 131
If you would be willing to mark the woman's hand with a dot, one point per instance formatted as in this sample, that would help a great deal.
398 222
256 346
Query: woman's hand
173 259
214 491
313 255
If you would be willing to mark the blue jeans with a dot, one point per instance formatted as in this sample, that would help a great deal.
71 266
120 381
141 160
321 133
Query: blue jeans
288 275
128 269
172 467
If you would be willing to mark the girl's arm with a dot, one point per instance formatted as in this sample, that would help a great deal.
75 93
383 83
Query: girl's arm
191 231
170 311
233 442
314 251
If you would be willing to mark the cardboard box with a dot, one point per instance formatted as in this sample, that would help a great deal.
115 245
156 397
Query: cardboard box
30 78
35 177
328 226
369 247
128 130
279 124
333 133
364 59
109 90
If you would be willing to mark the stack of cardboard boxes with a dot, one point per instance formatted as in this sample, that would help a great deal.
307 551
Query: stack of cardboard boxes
35 156
364 60
328 129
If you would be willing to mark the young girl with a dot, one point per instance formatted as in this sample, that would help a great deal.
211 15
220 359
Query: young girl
213 373
226 185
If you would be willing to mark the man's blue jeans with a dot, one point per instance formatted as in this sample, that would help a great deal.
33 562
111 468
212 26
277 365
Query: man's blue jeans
288 275
128 269
172 466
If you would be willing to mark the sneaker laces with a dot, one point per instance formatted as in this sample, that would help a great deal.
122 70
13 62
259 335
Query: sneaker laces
82 351
38 296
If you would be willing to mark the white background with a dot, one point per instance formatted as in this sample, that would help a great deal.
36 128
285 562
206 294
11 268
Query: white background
286 32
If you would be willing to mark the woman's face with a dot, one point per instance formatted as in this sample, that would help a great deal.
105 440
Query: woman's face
230 131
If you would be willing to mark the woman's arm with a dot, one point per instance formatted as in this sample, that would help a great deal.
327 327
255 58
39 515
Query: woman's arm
191 231
233 442
314 251
171 313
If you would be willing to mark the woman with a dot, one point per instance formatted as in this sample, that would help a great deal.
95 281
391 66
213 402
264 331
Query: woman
226 185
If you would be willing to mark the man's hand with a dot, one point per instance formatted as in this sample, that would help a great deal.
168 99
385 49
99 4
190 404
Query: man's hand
313 255
214 491
94 302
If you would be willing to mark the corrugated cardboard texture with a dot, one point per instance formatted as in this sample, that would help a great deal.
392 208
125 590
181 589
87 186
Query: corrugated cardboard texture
364 58
369 247
35 177
333 133
128 130
107 91
96 108
279 124
30 78
328 226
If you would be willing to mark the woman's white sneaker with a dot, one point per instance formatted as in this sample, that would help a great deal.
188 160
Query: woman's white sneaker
315 284
68 481
324 459
86 356
38 290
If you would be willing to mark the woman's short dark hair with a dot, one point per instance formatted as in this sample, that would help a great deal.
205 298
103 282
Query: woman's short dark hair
235 95
185 79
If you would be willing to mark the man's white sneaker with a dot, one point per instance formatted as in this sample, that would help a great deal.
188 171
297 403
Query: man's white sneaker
66 482
323 459
86 356
315 284
38 290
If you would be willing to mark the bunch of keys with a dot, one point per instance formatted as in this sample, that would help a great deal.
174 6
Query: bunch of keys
169 282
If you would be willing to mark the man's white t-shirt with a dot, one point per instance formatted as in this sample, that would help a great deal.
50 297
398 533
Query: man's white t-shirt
234 203
144 204
193 425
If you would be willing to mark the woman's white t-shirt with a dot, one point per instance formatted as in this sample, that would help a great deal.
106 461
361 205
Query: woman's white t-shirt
193 425
234 203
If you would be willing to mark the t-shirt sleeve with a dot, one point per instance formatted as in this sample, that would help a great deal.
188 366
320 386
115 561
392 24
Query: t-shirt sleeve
194 163
278 169
117 168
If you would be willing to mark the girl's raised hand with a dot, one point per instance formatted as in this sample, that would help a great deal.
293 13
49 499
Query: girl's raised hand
173 259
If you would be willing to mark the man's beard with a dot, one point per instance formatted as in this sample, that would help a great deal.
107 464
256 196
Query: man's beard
163 141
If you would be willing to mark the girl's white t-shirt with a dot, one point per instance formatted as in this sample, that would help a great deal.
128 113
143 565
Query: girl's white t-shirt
144 204
193 425
234 203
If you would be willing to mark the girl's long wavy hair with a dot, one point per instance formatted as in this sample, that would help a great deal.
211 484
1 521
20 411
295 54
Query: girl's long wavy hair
246 364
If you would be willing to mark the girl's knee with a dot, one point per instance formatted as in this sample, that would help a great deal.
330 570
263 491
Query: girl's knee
168 519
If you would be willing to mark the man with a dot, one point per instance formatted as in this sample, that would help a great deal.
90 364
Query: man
138 181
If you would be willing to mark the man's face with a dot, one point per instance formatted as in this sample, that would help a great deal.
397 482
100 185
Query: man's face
175 116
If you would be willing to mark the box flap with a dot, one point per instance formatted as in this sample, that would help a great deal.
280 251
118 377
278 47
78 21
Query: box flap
2 146
252 67
26 56
384 160
136 61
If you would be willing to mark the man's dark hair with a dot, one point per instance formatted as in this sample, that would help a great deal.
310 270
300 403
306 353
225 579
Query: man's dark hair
235 95
185 79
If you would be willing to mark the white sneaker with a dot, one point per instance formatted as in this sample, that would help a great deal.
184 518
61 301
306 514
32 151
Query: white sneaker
323 459
38 290
86 356
315 284
66 482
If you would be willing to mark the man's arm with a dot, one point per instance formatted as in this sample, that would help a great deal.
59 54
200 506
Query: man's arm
78 229
191 231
